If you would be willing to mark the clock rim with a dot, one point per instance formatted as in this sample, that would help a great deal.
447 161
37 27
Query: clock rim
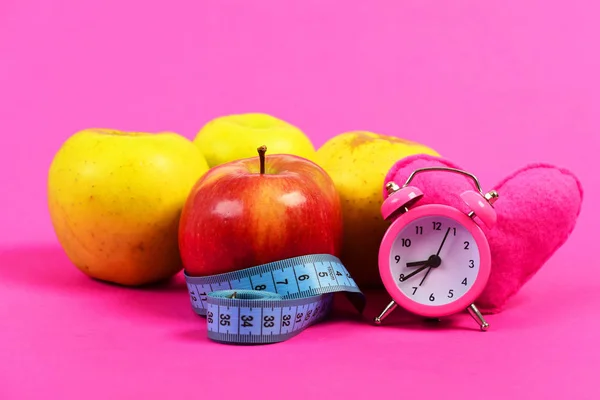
470 225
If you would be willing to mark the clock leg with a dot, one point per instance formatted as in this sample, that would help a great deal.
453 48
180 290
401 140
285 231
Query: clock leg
386 311
474 311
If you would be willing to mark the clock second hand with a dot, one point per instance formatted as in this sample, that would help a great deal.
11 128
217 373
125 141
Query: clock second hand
437 255
426 273
443 241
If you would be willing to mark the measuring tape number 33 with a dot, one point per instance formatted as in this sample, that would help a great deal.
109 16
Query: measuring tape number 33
272 302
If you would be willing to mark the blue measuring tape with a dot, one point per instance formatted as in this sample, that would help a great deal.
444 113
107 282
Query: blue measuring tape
272 302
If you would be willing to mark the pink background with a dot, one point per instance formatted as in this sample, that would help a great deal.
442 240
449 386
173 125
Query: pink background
490 85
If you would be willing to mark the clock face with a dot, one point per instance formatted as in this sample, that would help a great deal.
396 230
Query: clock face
434 260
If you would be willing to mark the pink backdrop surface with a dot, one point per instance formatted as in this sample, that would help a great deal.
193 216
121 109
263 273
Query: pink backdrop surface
490 85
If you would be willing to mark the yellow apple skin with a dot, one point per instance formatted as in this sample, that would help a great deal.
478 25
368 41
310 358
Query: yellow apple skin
358 161
236 136
115 199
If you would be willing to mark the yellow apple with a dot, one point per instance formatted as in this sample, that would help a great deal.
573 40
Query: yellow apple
357 162
233 137
115 199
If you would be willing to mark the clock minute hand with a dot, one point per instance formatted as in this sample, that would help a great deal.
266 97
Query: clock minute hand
402 279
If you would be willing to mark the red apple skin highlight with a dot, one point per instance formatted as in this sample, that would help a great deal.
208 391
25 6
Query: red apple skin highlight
236 218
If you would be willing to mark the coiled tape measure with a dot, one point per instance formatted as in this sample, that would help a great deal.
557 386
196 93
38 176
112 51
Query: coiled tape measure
271 302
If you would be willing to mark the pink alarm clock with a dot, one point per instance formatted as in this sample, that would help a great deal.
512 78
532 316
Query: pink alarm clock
434 259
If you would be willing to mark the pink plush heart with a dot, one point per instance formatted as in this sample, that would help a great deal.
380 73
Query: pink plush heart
537 208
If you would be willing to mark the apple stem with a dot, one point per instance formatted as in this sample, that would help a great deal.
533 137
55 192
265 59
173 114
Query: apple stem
261 154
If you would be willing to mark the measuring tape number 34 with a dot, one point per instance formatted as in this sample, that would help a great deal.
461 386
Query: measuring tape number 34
271 302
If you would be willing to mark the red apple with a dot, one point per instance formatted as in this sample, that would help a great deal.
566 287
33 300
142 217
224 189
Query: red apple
258 210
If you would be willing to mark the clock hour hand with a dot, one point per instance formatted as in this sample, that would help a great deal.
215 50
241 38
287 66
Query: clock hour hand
403 278
416 263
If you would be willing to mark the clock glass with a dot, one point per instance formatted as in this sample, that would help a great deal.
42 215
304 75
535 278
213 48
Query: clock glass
434 260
